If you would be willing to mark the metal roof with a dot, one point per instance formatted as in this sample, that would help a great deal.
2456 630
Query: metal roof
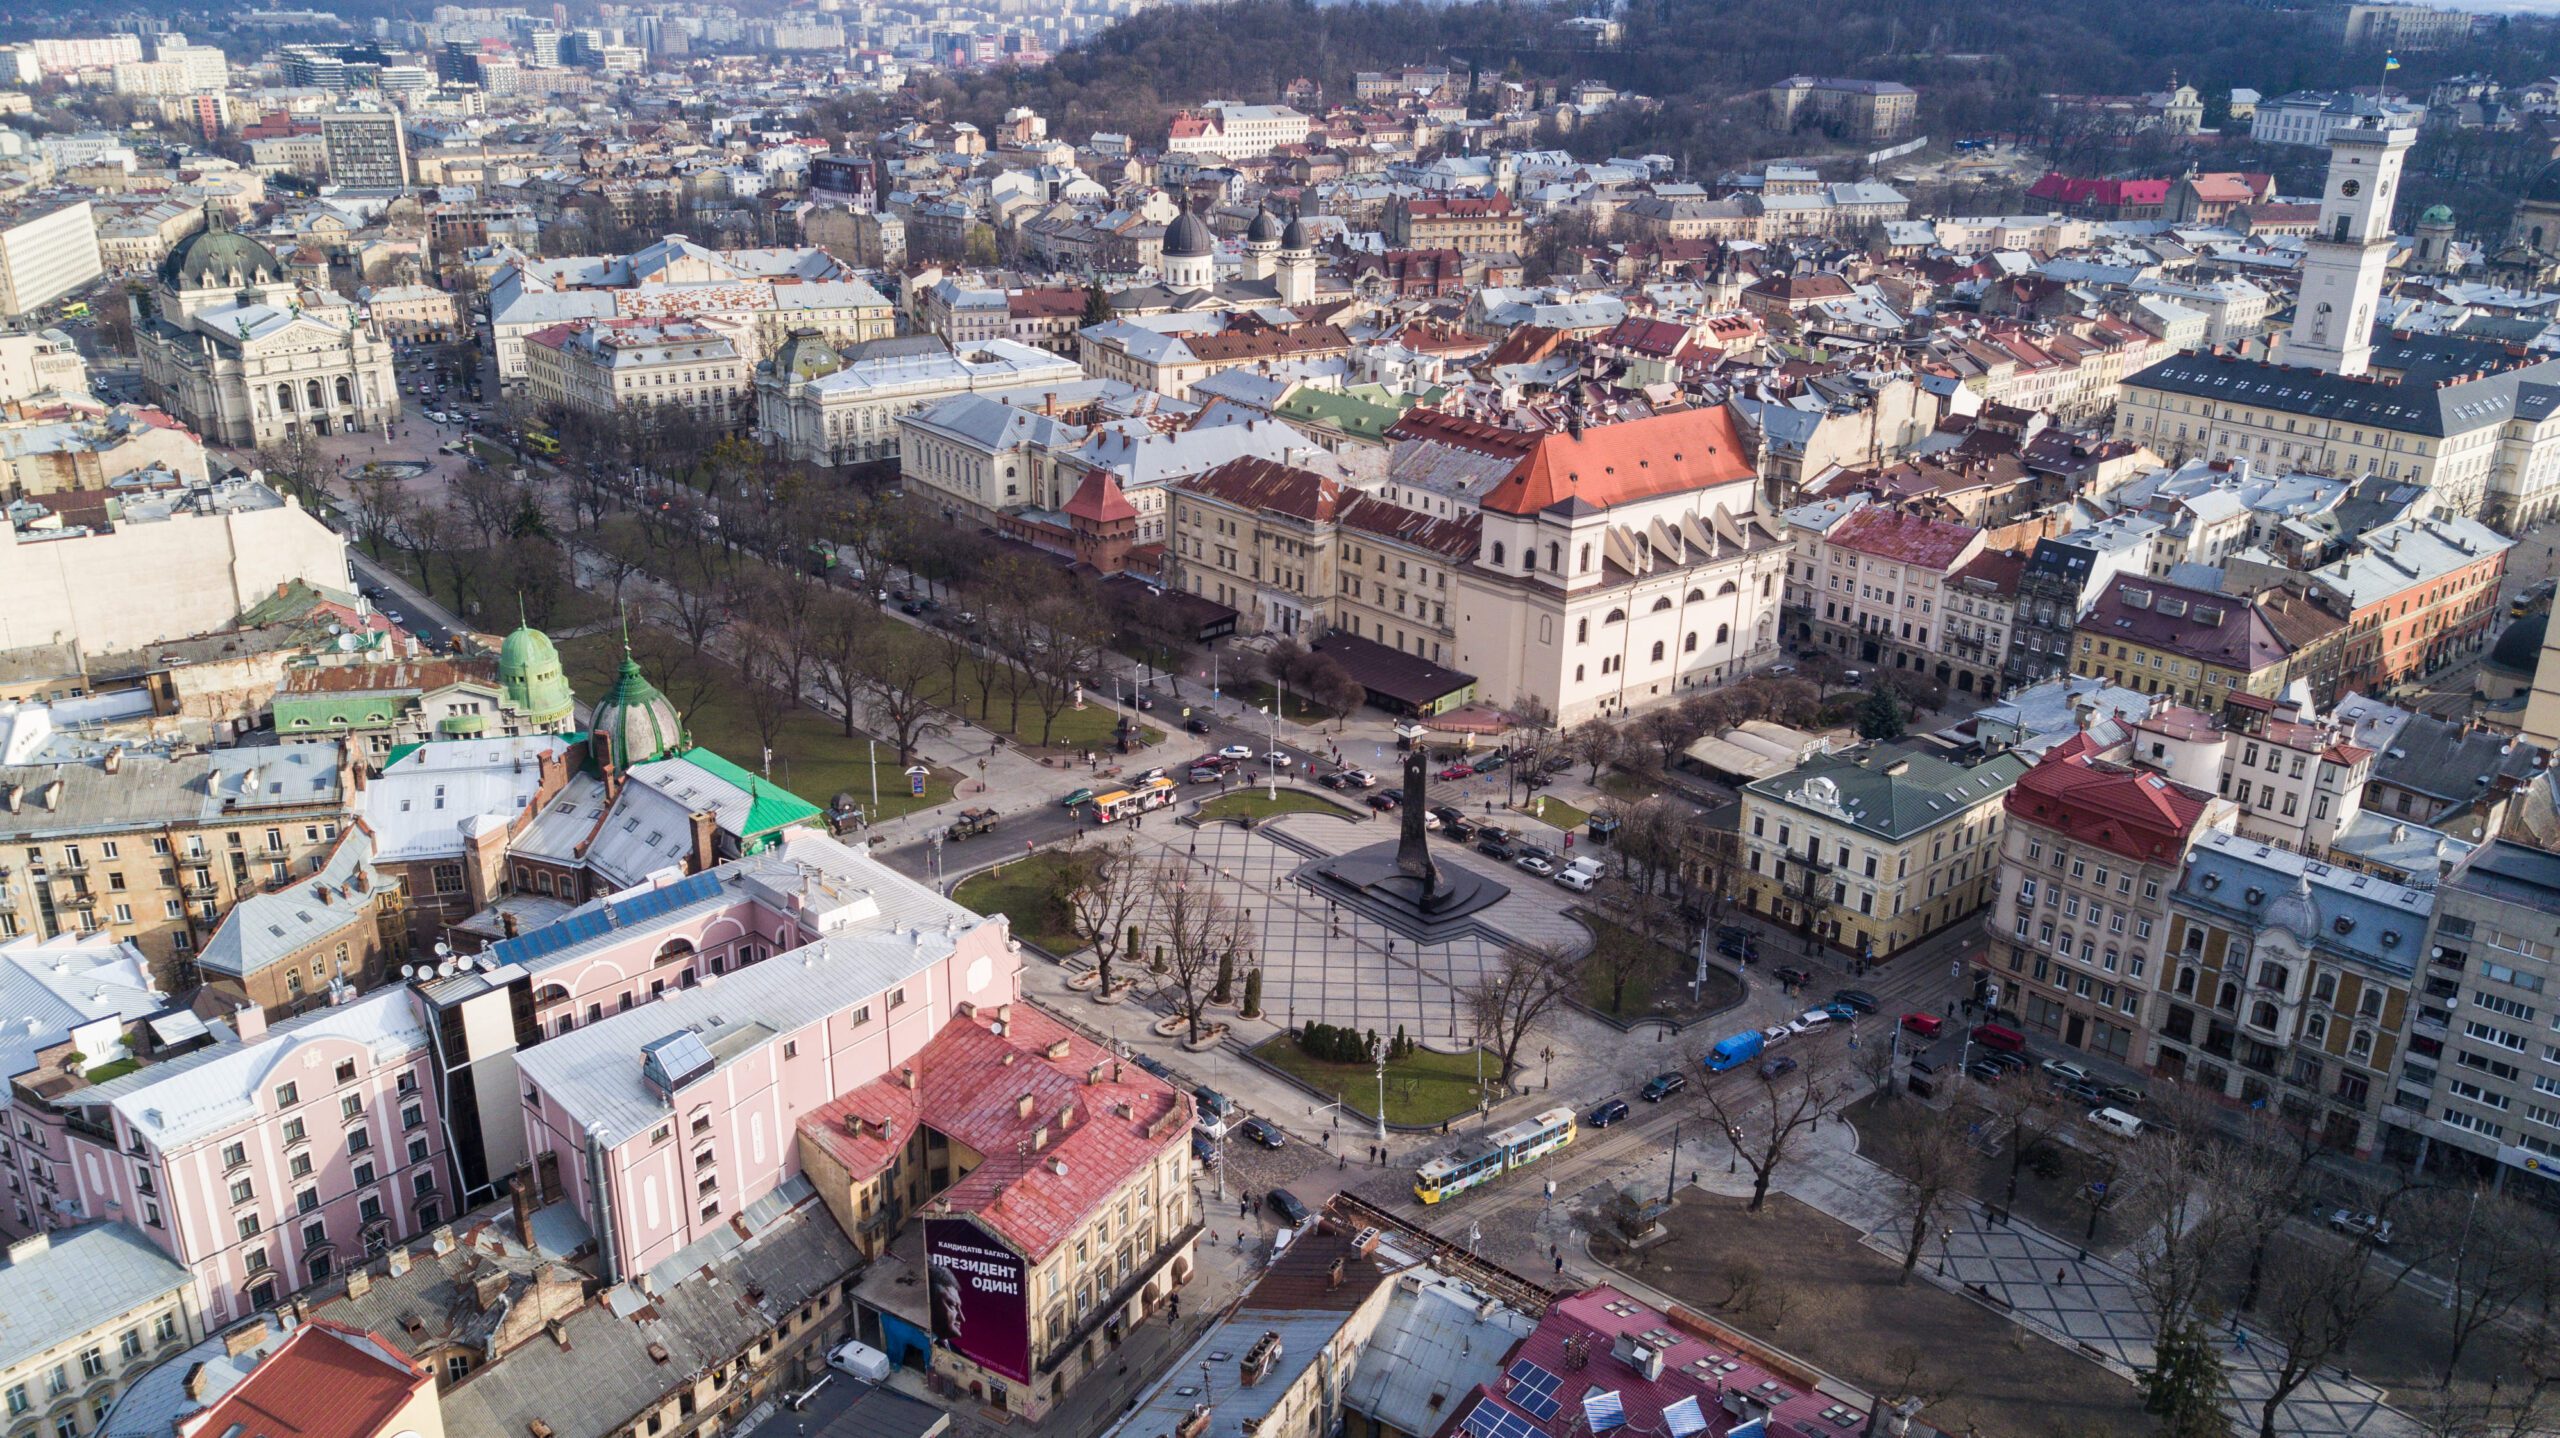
81 1280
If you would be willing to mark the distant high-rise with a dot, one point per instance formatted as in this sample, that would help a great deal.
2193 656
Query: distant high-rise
367 148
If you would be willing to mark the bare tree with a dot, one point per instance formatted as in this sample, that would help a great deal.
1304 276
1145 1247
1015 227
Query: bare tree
1764 1139
898 669
2500 1253
1935 1154
696 612
1104 908
376 508
1198 932
1057 657
1624 954
2318 1298
1596 743
1512 998
763 672
840 631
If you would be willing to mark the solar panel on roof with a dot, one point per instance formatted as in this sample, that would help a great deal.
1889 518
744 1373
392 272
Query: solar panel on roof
1533 1390
1489 1419
676 1060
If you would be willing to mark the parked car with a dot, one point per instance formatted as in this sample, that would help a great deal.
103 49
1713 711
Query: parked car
2007 1061
1493 761
1842 1012
1985 1071
2123 1095
1458 771
1291 1211
1263 1132
1385 803
1581 874
1792 976
2081 1093
1809 1020
2064 1071
1927 1026
1363 778
2357 1223
1236 752
1607 1113
1778 1067
1203 1147
1738 948
1776 1034
1452 819
1663 1086
1196 726
1536 861
1494 843
1154 1066
1859 999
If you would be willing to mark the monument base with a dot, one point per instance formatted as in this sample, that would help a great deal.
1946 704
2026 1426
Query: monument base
1370 882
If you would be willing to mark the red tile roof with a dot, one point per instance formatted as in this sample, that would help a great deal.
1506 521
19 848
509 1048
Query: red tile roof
2061 189
325 1380
1099 499
1576 1343
1268 485
1622 463
1455 538
1442 427
1103 1121
1890 533
2133 812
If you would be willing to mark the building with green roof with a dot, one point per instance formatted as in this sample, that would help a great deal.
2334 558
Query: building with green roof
378 703
636 719
1357 415
1876 848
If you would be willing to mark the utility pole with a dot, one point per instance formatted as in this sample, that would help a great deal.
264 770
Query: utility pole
1671 1180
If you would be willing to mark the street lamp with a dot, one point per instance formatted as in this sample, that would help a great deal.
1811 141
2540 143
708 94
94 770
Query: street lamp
1271 753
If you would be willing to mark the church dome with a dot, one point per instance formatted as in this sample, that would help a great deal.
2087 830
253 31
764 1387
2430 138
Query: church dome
2437 215
530 676
640 723
2545 189
2520 648
1188 238
219 257
1265 229
1295 237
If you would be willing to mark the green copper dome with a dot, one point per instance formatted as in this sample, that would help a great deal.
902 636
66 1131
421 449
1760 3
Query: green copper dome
806 355
219 257
639 721
530 676
2437 215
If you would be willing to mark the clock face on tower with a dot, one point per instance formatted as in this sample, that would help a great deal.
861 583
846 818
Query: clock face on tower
2350 188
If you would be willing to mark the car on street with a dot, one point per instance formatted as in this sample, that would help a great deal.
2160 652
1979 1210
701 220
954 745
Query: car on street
1453 820
1075 797
1280 759
1842 1012
1203 1147
1291 1211
2005 1060
1859 999
1237 752
1809 1020
1458 771
1738 948
1985 1071
1264 1132
1607 1113
1536 861
1196 726
2122 1095
913 606
1205 773
2064 1071
1386 802
1663 1086
1492 761
1581 874
2358 1223
1792 976
1494 843
1778 1067
1154 1066
2087 1093
1330 781
1927 1026
1776 1034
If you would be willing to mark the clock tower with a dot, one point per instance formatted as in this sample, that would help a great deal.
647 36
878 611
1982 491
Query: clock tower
2343 263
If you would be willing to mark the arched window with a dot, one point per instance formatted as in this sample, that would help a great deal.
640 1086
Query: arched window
1724 634
1586 549
312 388
1694 596
1577 674
1555 558
346 391
1690 644
2262 1014
1614 616
2272 976
674 949
1657 651
284 396
1582 631
1662 604
1498 555
1728 587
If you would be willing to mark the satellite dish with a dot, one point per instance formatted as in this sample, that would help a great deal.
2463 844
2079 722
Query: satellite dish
408 971
445 969
443 949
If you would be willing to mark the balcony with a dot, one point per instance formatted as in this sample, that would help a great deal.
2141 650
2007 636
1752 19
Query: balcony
463 724
65 868
200 887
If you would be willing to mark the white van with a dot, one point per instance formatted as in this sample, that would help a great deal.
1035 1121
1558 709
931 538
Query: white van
1580 875
2116 1121
862 1361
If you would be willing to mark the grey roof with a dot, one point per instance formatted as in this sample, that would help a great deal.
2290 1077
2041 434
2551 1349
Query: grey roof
2036 718
1430 1347
2448 761
84 1278
50 986
1893 790
2397 557
704 1306
2530 392
263 929
152 788
2351 916
207 1090
2512 873
158 1399
2378 839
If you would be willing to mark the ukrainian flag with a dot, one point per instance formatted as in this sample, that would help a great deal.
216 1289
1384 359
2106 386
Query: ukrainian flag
2390 63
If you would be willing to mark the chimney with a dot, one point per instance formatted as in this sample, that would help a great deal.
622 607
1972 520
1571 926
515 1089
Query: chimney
520 1198
195 1383
1333 1276
489 1288
1022 1106
907 1076
50 796
398 1266
245 1337
115 759
706 836
509 924
359 1282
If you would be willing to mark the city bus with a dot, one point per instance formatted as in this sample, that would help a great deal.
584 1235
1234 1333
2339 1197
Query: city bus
1121 803
541 441
1484 1159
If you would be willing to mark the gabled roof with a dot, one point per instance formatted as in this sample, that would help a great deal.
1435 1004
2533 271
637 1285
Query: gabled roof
1888 532
1270 487
1623 463
325 1381
2133 812
1099 501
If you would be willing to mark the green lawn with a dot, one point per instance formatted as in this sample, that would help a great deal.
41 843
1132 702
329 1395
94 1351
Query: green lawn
1662 993
811 756
1258 804
1422 1088
1558 813
1075 730
1031 891
1619 784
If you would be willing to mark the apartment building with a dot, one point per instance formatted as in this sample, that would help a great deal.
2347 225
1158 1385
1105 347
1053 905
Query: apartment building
83 1313
819 405
1876 848
1171 354
1470 224
48 248
1260 537
2419 594
367 147
1852 109
1233 131
2292 985
2479 1086
2292 780
1872 584
153 844
2161 638
2080 925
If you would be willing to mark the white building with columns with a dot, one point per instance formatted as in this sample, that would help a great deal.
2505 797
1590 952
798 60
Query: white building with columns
819 405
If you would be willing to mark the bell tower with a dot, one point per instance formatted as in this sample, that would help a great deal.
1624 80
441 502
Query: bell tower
2343 262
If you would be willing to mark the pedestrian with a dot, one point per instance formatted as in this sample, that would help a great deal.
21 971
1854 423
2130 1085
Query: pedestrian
1559 1264
1951 1008
2058 1275
1444 1125
1239 1238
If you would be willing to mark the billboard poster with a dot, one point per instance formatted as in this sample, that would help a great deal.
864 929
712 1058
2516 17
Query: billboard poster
981 1297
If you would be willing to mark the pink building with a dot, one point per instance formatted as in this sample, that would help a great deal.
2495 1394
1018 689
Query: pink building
262 1158
662 1122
